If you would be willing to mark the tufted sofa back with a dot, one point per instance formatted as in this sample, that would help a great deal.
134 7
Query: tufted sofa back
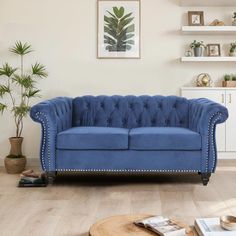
131 111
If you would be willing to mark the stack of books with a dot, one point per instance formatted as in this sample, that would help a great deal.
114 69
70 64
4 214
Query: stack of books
30 179
211 227
162 226
166 227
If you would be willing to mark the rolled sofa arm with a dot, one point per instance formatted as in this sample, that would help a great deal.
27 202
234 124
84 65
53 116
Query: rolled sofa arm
204 115
54 115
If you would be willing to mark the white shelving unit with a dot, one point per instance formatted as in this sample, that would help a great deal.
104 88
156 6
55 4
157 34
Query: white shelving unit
208 3
208 29
208 59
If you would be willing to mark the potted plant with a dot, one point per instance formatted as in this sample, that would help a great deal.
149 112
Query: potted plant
232 51
234 19
198 48
17 88
229 81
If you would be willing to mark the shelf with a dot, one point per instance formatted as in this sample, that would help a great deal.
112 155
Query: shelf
208 29
208 59
209 3
207 88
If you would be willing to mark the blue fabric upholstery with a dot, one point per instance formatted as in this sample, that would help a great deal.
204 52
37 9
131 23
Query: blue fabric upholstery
129 160
205 115
55 115
105 138
180 123
130 111
164 138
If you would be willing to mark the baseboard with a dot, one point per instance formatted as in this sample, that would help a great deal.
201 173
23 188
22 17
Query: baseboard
227 155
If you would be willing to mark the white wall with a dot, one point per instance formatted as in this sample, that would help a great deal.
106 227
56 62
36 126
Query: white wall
63 34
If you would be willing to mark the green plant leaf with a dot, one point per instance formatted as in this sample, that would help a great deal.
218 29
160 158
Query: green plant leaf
7 70
39 70
21 110
119 12
126 36
126 16
111 14
4 89
21 49
3 107
25 81
109 40
130 29
111 22
130 42
125 22
110 31
32 93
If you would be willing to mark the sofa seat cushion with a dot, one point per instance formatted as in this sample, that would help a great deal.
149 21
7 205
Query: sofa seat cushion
95 138
164 138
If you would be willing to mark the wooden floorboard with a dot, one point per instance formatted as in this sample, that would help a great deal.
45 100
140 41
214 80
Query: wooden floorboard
74 203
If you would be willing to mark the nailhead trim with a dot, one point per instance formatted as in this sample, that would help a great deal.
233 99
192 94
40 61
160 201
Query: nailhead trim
112 170
211 125
212 140
41 116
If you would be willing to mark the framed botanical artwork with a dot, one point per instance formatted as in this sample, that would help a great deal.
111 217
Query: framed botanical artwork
196 18
118 29
213 50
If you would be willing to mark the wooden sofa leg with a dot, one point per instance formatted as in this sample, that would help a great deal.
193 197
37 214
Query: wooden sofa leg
205 178
51 175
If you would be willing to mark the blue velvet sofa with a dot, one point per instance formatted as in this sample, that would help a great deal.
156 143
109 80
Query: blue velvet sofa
129 134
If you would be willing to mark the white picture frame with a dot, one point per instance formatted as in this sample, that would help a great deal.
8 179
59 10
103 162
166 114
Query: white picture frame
118 29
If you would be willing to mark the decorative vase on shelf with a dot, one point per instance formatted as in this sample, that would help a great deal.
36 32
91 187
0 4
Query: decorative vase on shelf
198 51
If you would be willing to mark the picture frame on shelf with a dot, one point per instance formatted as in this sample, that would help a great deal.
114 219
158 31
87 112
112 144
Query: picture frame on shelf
196 18
118 29
213 50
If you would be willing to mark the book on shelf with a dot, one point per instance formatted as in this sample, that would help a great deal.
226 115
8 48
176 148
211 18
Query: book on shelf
162 226
211 227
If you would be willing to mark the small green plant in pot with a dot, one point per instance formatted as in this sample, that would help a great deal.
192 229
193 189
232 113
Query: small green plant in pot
232 51
198 48
234 19
17 89
227 77
229 81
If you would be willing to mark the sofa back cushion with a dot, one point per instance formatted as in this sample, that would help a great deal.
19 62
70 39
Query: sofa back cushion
131 111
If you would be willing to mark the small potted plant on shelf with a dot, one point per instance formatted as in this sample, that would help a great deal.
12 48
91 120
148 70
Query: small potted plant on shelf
198 48
17 88
234 19
229 81
232 51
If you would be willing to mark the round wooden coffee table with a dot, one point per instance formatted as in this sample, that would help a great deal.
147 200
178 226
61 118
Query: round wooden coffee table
122 226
